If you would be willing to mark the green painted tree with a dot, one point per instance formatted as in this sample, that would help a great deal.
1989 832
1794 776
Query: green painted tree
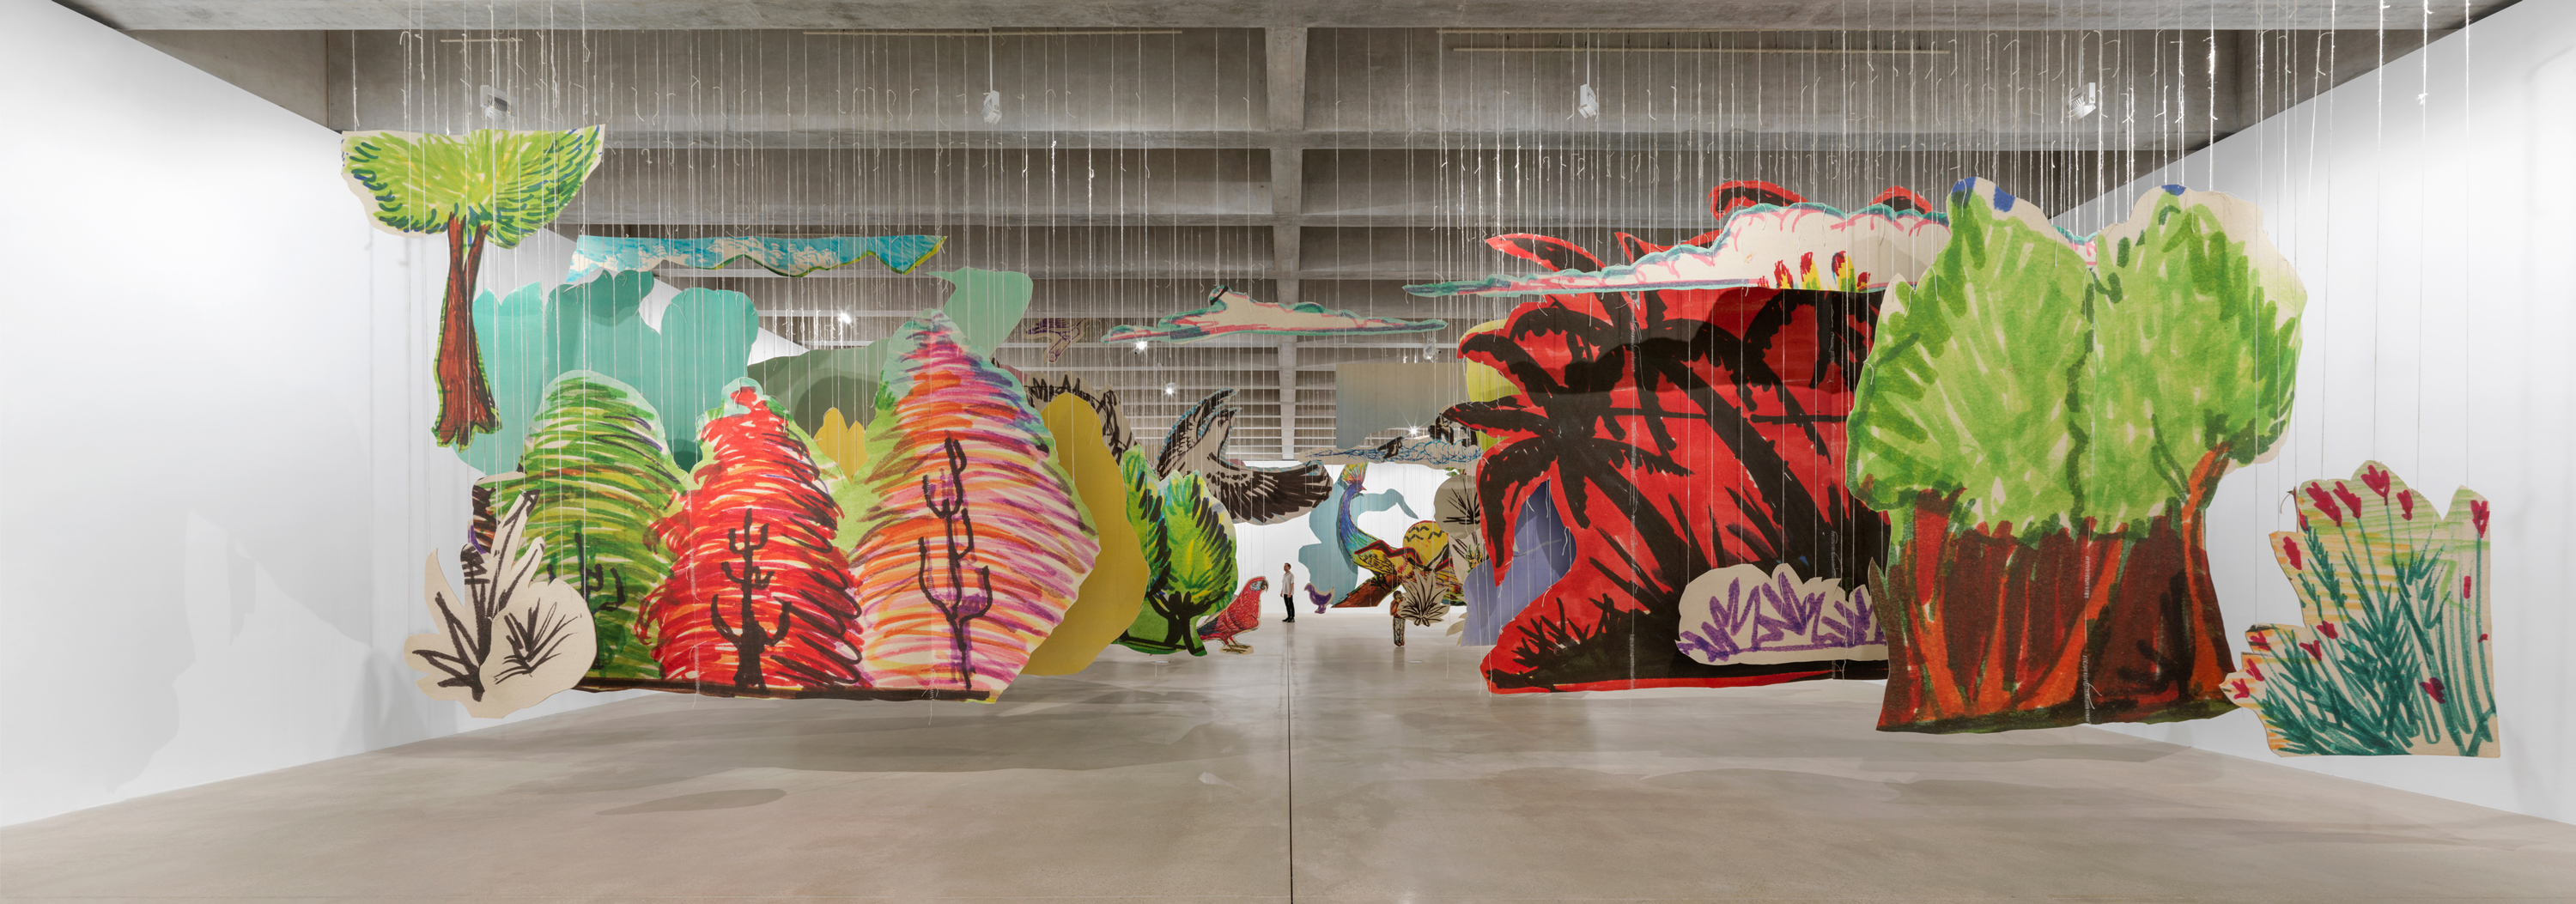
491 186
1189 558
599 475
2047 431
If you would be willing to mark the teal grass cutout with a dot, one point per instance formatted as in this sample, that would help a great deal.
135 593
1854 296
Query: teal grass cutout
985 305
531 337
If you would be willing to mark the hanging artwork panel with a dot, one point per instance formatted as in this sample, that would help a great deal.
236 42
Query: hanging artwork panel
1677 431
514 637
489 186
1229 313
1196 445
1115 590
2045 419
2392 656
975 543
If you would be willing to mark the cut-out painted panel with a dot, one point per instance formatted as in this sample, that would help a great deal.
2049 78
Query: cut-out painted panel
985 306
1196 445
488 186
1229 312
2392 654
514 637
2047 434
595 254
1677 432
597 474
1779 242
976 544
1115 590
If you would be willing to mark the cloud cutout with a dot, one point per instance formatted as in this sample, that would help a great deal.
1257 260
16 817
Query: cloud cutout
1760 245
783 256
1405 450
1229 312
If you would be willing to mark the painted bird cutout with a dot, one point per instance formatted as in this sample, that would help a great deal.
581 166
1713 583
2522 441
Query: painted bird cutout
1244 614
1252 495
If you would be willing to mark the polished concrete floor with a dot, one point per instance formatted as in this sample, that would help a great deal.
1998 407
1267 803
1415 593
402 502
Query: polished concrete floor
1325 766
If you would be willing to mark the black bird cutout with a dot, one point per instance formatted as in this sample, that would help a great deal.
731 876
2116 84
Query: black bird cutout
1251 495
1104 402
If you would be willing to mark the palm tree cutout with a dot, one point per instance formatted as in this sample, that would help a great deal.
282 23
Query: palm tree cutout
492 186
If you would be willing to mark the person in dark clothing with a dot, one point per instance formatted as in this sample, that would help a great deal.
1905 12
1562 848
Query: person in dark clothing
1287 589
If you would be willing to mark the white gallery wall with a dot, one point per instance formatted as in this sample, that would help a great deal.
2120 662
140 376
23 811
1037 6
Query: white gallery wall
2424 206
217 473
1259 549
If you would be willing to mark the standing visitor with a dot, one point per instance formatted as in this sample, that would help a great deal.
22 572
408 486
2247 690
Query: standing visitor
1288 589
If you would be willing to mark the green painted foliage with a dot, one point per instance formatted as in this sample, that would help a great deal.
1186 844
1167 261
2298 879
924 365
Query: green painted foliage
2196 344
1189 557
599 475
2051 395
511 183
1952 402
986 306
2392 654
682 368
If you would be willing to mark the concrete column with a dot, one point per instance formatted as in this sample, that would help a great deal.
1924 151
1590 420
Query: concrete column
1287 397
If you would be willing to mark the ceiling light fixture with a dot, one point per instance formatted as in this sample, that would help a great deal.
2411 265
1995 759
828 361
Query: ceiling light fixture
2082 104
496 105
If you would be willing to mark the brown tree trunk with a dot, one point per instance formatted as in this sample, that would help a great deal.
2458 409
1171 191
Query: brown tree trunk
1987 632
464 398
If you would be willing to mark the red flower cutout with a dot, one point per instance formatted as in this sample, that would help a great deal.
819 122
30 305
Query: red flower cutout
2377 478
2290 550
2325 504
2478 516
2432 688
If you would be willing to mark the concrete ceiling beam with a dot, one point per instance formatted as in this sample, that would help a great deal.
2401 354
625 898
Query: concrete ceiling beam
1604 15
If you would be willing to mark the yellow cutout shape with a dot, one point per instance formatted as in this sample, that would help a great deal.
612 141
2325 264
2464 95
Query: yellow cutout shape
844 442
1115 590
1485 384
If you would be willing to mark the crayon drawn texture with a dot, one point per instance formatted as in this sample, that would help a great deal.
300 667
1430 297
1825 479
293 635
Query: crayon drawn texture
2392 657
976 545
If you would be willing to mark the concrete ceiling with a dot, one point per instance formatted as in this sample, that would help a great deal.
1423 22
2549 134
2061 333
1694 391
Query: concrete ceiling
1588 14
1297 151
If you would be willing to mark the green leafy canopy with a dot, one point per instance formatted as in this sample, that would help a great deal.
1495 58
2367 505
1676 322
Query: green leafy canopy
599 473
2049 394
510 183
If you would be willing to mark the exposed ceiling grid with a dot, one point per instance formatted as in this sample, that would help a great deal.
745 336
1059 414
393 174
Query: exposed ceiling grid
1326 152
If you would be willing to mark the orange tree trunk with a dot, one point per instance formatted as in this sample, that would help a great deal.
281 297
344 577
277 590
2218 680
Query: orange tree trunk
464 398
1988 632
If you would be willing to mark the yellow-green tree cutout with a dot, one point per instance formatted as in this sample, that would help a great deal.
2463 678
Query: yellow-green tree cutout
489 185
2393 657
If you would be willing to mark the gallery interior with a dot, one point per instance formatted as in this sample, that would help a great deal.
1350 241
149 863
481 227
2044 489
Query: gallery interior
1273 450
